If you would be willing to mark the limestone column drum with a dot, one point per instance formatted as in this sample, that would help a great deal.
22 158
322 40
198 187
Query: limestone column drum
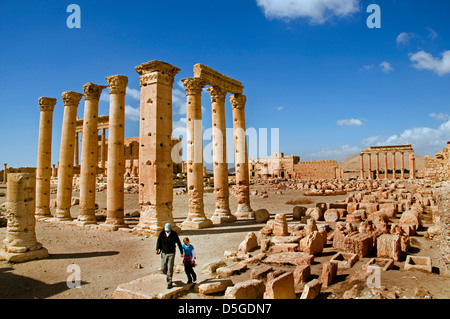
5 172
241 158
402 165
377 164
394 173
20 243
155 147
44 165
412 165
385 166
115 202
196 218
89 154
66 156
361 157
222 213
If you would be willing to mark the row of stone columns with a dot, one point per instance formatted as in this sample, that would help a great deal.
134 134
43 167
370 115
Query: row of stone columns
89 146
412 167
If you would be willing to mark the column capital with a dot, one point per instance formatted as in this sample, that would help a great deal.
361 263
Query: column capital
193 86
92 91
47 104
217 94
238 101
117 84
71 98
156 72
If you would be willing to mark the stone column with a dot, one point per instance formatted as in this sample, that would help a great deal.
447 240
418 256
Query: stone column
394 176
89 156
222 213
196 218
77 155
20 243
155 147
402 176
241 158
385 166
5 173
361 157
115 200
370 165
66 155
377 164
103 150
412 165
44 169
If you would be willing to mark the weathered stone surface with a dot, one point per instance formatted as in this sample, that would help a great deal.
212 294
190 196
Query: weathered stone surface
280 227
312 244
389 246
331 215
228 271
212 266
262 215
212 286
260 271
249 243
311 289
249 289
302 273
314 212
298 212
418 262
290 258
329 271
281 287
278 248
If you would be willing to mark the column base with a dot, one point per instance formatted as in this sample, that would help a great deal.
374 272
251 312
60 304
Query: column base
223 219
112 227
244 212
61 219
196 224
41 253
85 220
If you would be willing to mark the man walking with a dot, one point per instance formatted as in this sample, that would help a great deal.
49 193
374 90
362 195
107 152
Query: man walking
165 246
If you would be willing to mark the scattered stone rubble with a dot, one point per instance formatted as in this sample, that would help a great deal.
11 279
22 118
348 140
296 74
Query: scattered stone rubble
372 226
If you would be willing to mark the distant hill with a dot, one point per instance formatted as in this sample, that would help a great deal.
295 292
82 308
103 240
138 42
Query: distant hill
353 164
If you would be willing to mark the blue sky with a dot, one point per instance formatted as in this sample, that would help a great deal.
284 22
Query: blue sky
311 68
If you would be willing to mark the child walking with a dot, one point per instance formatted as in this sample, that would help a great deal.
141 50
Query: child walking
189 260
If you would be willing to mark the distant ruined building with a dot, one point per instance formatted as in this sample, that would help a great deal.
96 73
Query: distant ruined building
437 168
279 166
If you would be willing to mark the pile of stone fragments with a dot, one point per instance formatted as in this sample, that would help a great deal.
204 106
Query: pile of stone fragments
372 226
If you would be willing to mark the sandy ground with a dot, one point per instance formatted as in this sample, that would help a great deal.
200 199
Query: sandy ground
108 259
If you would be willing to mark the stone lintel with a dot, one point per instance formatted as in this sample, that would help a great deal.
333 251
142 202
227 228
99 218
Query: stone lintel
214 78
388 149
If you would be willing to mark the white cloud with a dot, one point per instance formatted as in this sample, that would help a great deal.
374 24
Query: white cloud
133 93
132 113
318 11
404 38
279 108
425 61
104 96
179 101
367 67
439 116
386 67
349 122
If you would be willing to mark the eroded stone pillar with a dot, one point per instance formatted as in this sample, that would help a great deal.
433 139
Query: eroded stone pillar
377 164
44 165
412 165
89 154
5 173
222 213
385 166
402 176
370 165
115 200
77 155
394 175
196 218
361 157
20 243
155 139
244 209
66 156
103 151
